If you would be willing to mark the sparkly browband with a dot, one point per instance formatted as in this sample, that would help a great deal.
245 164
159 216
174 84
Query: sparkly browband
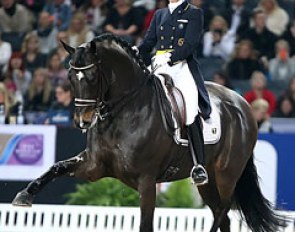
81 68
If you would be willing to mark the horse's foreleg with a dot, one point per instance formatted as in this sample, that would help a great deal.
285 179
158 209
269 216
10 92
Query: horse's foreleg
65 167
147 193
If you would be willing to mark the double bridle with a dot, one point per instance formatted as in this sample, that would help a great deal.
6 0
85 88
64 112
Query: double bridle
101 106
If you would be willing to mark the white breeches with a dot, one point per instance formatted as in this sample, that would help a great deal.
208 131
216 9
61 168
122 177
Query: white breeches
185 82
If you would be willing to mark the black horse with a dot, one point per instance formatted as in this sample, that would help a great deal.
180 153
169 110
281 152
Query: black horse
116 102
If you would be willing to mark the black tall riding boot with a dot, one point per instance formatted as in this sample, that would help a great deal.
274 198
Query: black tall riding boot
196 140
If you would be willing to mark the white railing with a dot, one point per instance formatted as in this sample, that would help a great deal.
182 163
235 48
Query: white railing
64 218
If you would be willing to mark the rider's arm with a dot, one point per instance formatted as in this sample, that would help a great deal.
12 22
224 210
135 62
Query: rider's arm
150 38
192 36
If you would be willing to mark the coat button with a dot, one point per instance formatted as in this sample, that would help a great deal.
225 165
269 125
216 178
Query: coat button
172 38
179 12
162 37
173 28
162 46
161 28
170 46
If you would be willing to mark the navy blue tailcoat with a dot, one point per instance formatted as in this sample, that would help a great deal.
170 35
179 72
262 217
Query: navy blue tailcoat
180 33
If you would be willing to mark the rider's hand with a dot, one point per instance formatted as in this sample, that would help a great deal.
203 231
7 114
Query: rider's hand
161 59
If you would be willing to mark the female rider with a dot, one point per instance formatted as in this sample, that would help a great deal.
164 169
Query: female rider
175 32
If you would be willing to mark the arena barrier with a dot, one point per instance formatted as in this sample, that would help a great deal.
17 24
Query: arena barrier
64 218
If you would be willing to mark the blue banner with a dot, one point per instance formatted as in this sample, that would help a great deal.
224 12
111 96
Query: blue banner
285 147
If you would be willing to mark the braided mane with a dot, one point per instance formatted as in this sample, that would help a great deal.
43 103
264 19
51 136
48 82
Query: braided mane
127 47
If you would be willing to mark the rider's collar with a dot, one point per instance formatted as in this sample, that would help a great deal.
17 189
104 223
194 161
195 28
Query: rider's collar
174 5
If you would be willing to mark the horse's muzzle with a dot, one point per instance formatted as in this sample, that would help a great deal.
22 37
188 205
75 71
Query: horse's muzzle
86 120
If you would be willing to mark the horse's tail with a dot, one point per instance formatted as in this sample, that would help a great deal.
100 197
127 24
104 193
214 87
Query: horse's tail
257 210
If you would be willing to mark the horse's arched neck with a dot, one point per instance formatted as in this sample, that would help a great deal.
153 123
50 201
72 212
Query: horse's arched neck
126 74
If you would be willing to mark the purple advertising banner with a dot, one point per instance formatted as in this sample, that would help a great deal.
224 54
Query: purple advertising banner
26 151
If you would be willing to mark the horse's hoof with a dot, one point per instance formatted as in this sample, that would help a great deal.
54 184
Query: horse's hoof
23 198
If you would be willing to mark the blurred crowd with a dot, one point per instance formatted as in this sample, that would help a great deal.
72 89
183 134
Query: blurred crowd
252 40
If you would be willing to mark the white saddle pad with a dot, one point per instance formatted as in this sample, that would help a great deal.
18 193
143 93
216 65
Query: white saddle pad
212 127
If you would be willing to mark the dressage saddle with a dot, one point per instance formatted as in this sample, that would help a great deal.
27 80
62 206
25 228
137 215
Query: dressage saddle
172 107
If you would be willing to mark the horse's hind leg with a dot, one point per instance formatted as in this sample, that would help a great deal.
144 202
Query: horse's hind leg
218 206
27 195
221 219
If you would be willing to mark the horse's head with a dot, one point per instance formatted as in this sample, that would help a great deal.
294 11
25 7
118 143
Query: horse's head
87 81
102 70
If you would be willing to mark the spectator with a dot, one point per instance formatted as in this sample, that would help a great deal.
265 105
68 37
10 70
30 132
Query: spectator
285 108
56 72
46 33
244 62
218 5
148 18
5 100
262 39
123 20
289 36
63 54
237 17
218 42
33 59
251 4
208 16
61 13
259 91
148 5
78 31
8 82
96 12
288 6
64 97
291 89
141 7
61 111
110 3
208 12
282 67
222 78
15 17
77 4
35 6
277 18
260 109
5 53
39 95
18 73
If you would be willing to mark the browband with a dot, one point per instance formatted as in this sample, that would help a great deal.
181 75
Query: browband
80 68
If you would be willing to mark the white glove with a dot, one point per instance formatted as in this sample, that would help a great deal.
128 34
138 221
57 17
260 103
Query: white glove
160 60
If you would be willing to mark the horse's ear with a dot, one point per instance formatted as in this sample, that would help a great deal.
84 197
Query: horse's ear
68 48
93 47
